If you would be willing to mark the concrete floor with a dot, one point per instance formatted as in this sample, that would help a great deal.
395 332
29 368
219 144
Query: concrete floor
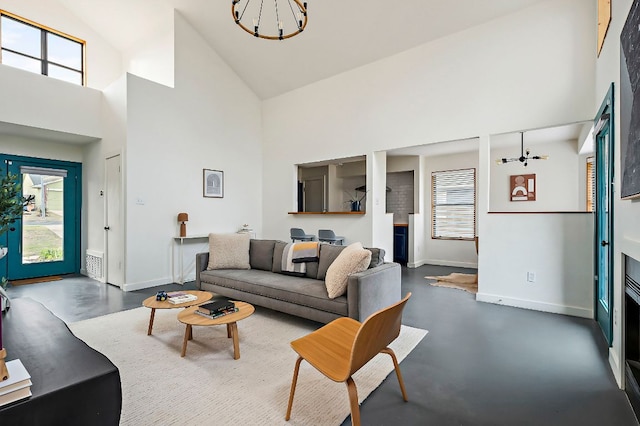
480 364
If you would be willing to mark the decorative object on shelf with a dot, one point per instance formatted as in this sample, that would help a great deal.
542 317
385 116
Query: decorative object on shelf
525 156
522 187
287 19
355 201
212 183
182 218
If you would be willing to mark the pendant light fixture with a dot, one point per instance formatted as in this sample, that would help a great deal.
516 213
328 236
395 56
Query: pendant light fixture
287 19
525 156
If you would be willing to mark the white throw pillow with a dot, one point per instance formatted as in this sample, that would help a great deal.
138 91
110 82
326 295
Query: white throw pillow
229 251
351 260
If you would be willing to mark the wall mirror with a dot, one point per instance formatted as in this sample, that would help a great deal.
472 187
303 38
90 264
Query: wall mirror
337 185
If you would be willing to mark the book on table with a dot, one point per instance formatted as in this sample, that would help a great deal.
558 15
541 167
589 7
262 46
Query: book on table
183 298
17 386
217 314
215 305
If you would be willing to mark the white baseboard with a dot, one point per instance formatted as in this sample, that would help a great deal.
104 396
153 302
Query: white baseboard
536 306
146 284
442 262
614 363
416 264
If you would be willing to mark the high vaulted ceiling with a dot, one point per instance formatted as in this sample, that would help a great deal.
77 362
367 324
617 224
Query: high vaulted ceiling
341 35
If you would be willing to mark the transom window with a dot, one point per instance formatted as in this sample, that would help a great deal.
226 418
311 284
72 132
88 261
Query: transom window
41 50
453 204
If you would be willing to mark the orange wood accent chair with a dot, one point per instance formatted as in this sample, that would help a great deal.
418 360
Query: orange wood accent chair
343 346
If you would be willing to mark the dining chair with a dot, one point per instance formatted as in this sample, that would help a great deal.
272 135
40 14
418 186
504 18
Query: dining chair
328 236
343 346
298 234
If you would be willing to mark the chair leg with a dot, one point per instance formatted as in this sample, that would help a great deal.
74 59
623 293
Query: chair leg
293 387
398 373
353 401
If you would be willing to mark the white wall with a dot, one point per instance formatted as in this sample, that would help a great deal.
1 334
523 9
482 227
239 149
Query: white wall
626 231
153 59
104 62
440 251
557 247
210 120
559 179
49 103
481 81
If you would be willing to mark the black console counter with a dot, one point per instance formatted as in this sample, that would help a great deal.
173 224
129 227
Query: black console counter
73 384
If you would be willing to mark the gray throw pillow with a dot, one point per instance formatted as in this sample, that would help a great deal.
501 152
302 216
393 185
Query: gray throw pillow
261 254
377 256
278 248
328 253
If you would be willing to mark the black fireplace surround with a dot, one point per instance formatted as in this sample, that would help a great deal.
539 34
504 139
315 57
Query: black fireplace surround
632 332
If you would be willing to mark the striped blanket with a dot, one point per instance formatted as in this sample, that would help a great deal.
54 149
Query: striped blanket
295 256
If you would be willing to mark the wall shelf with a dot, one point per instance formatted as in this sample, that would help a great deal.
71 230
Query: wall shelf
338 213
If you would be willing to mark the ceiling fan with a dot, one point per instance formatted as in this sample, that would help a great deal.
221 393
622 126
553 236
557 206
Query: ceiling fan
525 156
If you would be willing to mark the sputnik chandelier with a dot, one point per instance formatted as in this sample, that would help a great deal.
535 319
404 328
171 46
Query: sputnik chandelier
287 18
525 156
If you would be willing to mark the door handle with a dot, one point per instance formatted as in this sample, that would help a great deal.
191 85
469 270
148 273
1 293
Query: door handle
106 228
12 229
604 243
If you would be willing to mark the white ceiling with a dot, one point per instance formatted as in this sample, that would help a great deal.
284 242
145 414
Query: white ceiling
341 35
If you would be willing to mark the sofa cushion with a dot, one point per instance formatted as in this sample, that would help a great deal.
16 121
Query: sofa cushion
377 257
229 251
297 290
353 259
278 248
261 254
328 253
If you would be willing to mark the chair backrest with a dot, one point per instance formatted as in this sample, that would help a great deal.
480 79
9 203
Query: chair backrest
326 233
376 333
297 232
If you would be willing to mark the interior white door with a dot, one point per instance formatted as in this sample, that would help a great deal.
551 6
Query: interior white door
114 230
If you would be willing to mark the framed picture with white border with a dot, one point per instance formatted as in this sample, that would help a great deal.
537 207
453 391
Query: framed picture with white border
212 183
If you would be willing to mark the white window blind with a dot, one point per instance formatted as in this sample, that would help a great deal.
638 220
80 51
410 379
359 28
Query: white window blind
453 204
591 184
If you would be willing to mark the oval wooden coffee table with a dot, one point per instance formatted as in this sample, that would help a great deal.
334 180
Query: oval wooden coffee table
151 302
190 318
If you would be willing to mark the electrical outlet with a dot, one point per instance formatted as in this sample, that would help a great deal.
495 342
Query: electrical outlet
531 277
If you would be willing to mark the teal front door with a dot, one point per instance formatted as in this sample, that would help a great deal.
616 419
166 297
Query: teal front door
603 140
46 239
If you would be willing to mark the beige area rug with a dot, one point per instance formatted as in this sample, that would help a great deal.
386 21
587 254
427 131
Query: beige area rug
161 388
466 282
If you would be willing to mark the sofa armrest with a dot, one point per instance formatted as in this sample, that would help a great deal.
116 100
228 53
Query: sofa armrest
371 290
202 261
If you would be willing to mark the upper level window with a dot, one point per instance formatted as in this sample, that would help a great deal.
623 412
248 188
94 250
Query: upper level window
33 47
453 204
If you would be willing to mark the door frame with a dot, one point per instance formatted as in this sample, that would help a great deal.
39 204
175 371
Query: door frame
75 262
606 108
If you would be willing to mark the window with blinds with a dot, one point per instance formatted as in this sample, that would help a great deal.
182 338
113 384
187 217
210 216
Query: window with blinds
453 204
591 184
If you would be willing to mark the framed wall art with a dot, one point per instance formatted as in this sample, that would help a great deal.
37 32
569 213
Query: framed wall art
212 183
523 187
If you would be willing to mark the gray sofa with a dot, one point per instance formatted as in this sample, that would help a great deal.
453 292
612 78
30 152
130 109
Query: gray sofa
306 296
